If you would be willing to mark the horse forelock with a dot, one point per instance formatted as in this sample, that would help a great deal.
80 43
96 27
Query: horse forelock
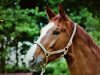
60 22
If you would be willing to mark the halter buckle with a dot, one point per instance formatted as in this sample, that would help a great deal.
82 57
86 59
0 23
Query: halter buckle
47 54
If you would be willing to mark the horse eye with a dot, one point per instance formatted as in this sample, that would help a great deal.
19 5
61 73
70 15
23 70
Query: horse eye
56 32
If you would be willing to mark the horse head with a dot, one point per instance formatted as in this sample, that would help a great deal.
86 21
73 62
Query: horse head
54 41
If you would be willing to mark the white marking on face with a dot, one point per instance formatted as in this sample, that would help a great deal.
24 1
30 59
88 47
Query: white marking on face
30 54
45 30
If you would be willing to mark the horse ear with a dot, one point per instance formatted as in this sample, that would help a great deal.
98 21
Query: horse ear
62 12
49 12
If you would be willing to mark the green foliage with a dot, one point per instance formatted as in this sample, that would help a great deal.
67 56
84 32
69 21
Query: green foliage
96 36
59 67
16 26
9 68
8 3
89 22
18 21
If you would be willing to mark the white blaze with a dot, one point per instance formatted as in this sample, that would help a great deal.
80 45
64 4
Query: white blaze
30 54
45 30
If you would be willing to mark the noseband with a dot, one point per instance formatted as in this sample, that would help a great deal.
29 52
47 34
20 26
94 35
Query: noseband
64 51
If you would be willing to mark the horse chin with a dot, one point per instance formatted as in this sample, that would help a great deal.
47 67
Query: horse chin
36 68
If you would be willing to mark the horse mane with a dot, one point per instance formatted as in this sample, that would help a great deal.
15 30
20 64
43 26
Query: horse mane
88 40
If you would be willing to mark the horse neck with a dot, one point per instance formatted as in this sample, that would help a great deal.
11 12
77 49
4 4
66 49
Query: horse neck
84 55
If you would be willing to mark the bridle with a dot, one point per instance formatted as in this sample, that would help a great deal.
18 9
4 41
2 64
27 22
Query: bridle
64 51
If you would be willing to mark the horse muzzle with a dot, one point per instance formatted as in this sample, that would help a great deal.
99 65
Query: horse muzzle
36 64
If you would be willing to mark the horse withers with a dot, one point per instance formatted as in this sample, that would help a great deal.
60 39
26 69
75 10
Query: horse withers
62 37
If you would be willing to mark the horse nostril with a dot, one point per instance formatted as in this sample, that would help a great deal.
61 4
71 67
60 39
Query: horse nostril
32 60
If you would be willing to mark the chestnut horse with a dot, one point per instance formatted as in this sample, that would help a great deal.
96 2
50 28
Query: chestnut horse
61 37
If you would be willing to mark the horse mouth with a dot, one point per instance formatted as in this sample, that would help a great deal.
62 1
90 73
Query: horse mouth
36 67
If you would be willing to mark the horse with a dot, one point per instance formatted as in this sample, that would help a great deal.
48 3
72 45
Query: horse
62 37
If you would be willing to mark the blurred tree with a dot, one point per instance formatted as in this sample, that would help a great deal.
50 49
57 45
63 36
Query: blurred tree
9 3
16 26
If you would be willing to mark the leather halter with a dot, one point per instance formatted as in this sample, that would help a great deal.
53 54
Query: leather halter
64 51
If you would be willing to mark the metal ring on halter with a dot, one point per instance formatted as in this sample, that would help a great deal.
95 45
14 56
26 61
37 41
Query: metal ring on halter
47 55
